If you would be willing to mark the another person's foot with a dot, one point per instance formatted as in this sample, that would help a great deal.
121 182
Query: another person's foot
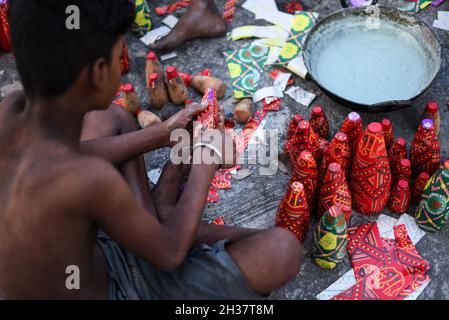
202 20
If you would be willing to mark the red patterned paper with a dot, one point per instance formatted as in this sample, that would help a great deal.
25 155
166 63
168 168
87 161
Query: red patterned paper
397 152
219 221
304 139
403 171
125 62
229 10
338 151
400 197
293 6
209 117
275 73
293 125
319 122
5 36
353 127
272 104
293 213
424 146
419 186
387 127
213 196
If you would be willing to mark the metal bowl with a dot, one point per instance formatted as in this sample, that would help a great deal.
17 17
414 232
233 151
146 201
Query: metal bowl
401 22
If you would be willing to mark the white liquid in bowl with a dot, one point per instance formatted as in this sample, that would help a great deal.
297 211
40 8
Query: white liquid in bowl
371 66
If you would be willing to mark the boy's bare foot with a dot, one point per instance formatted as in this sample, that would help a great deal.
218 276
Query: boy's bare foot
202 20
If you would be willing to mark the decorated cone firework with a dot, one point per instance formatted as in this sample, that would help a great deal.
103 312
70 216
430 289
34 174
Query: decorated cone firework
387 127
293 125
209 117
424 147
293 213
433 209
330 239
353 128
202 83
432 112
335 191
371 174
400 197
397 152
419 186
403 171
176 87
304 139
324 144
339 151
305 170
153 66
319 122
146 118
244 110
157 91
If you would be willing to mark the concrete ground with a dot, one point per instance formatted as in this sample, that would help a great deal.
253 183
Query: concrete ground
252 202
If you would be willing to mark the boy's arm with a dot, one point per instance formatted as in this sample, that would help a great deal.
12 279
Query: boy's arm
119 149
164 245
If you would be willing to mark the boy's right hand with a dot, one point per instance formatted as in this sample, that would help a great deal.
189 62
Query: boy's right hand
183 118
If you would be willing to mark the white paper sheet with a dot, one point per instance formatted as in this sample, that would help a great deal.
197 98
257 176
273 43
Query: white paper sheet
155 34
301 96
385 225
267 92
259 32
170 21
281 81
154 175
169 56
298 67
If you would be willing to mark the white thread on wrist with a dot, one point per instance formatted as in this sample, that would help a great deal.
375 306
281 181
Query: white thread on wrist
210 147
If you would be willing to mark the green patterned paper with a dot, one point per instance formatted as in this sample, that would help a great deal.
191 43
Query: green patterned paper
142 21
415 7
433 210
330 239
245 67
302 25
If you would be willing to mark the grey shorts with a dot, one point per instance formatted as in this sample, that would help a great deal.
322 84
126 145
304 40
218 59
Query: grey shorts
208 273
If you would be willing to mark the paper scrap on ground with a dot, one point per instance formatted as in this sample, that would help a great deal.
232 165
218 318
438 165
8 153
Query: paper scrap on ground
273 55
413 230
301 96
170 21
169 56
154 175
8 89
267 92
302 24
443 21
258 32
155 34
282 81
242 174
268 10
415 6
298 67
386 226
2 72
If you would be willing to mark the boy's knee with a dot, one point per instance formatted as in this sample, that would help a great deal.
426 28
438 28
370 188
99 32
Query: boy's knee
291 249
126 121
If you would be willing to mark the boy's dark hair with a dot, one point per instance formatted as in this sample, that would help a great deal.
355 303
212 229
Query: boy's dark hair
49 56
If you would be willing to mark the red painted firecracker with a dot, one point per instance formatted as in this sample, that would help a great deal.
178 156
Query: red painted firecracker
419 186
425 150
335 191
319 122
403 171
229 10
305 170
304 139
397 152
293 213
293 125
353 128
400 197
339 151
5 35
371 174
387 127
432 112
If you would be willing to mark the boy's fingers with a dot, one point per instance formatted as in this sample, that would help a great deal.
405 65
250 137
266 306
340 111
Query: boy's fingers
196 108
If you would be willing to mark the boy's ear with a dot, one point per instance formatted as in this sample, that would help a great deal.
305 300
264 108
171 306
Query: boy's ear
99 74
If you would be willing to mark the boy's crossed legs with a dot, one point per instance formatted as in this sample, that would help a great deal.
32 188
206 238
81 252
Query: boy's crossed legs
268 259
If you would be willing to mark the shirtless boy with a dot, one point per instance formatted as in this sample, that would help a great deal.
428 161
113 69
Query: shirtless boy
55 198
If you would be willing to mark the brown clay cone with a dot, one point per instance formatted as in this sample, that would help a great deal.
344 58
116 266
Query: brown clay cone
202 83
131 100
176 87
432 112
244 110
153 66
147 119
157 91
